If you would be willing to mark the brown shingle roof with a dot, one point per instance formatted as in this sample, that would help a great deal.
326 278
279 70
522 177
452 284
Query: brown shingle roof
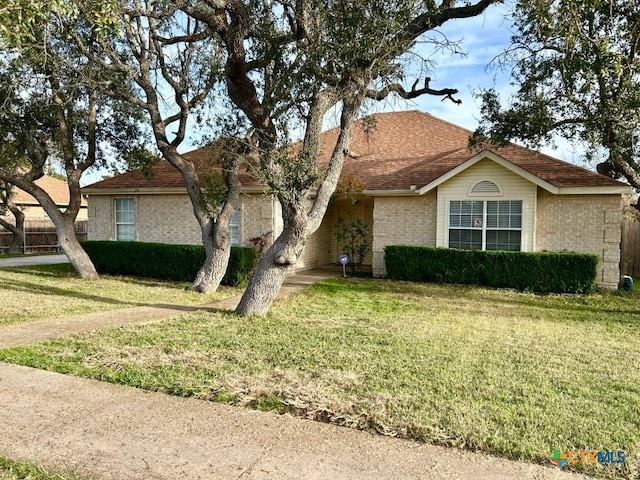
403 149
165 175
57 189
415 148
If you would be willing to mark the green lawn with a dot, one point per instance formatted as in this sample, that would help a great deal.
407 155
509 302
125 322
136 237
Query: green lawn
10 470
47 291
507 373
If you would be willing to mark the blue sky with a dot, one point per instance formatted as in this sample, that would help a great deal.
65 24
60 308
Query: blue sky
482 39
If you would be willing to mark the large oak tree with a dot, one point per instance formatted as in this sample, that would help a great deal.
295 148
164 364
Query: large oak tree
173 61
52 113
289 64
576 67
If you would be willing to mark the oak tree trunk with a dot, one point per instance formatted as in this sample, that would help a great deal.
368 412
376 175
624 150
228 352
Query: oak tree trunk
217 245
278 261
17 230
212 271
264 287
17 242
65 228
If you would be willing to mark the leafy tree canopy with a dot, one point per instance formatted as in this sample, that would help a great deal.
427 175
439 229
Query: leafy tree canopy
52 110
576 66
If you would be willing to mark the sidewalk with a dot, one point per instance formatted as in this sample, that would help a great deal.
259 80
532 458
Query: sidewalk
106 431
45 259
50 329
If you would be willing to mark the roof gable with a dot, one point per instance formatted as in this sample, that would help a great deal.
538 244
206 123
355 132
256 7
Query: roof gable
489 155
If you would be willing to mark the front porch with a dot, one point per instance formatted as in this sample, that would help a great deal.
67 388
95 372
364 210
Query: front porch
323 247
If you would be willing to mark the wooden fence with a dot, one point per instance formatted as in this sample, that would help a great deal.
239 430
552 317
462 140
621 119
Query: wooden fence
630 249
40 236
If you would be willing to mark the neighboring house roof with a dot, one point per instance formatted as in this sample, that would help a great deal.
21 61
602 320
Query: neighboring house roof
401 150
57 189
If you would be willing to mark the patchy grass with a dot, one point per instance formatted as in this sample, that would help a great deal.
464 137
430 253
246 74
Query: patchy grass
10 470
502 372
48 291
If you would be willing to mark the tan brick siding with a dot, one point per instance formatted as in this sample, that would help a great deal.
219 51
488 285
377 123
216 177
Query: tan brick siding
170 219
100 218
402 221
582 223
166 219
256 218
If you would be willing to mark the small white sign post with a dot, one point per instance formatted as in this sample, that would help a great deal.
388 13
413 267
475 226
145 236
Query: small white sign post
344 259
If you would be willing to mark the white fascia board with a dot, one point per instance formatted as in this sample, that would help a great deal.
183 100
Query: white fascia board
152 191
389 193
497 159
602 190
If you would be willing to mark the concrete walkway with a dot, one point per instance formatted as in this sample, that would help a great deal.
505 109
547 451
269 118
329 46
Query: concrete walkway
50 329
33 260
105 431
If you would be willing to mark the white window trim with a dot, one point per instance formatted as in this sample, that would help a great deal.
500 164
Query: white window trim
484 227
115 218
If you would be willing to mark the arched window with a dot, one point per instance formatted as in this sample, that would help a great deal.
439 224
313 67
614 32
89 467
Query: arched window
485 187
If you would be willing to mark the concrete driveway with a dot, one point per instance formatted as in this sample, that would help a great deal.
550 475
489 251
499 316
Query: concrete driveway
33 260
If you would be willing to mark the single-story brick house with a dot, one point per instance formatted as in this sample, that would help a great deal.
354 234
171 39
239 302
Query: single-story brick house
422 185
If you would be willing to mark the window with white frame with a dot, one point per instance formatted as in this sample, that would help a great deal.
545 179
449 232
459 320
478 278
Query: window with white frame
234 227
485 224
125 219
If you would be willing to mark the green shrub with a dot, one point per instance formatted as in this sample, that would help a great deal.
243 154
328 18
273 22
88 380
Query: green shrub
241 264
178 263
565 272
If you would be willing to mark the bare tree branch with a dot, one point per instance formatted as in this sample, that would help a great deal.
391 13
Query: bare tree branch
379 95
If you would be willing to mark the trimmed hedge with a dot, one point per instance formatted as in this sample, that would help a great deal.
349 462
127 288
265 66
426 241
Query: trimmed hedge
179 263
565 272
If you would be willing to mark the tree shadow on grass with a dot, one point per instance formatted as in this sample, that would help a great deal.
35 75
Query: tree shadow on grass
62 270
39 289
607 307
66 270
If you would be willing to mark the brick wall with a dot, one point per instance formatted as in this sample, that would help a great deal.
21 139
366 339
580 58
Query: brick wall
100 221
582 223
158 218
257 217
402 221
166 219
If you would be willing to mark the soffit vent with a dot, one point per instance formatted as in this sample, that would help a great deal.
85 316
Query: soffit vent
486 187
